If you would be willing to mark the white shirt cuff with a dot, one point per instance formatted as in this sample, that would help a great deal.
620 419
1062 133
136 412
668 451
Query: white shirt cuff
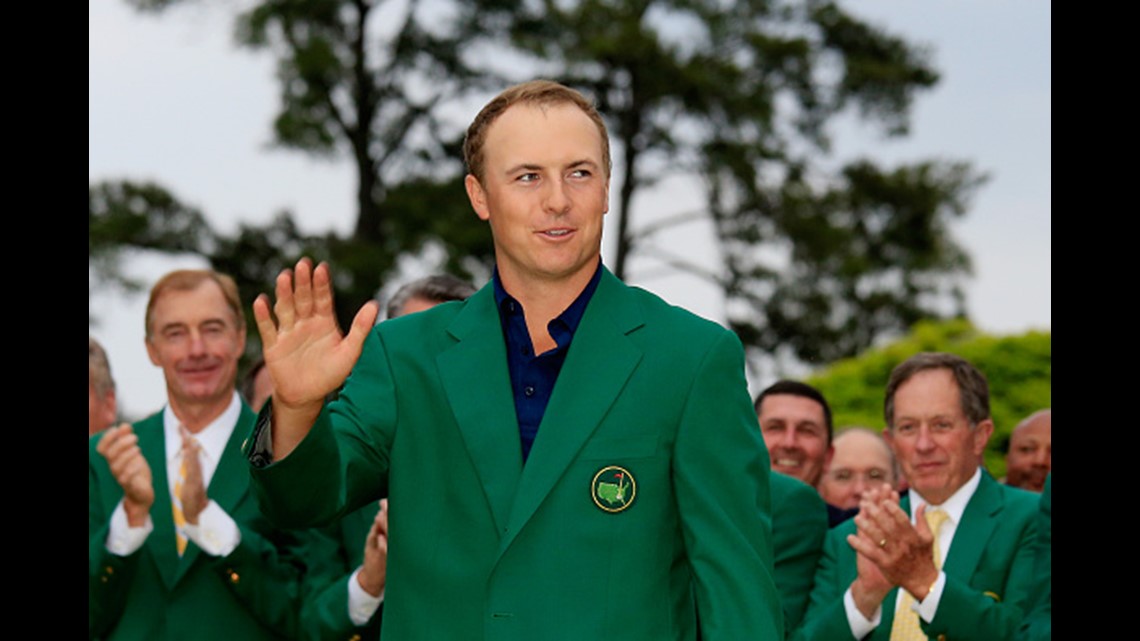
361 605
122 539
216 532
929 606
860 625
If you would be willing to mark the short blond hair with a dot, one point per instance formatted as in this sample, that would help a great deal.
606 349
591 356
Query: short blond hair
188 279
542 93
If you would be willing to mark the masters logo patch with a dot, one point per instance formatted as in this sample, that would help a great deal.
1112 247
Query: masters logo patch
613 488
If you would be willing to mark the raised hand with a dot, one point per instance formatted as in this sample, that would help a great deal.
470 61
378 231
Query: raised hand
305 352
374 572
120 446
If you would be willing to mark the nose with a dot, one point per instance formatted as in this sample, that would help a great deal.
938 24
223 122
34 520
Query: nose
1042 457
197 343
788 439
924 442
557 200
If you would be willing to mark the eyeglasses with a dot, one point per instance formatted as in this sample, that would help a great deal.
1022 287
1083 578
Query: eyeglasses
845 476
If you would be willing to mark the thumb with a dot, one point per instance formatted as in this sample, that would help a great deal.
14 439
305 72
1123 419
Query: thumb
362 324
921 526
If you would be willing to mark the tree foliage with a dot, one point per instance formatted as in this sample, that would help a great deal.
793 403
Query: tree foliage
1018 368
817 264
736 96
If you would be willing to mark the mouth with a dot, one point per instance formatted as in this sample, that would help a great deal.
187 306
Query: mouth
559 233
786 462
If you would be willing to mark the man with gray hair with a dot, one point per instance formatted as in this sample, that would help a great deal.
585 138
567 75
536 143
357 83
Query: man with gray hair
954 559
426 292
102 407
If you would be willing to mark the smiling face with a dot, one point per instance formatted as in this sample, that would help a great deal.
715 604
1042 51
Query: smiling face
795 431
544 192
936 447
1030 455
195 339
862 460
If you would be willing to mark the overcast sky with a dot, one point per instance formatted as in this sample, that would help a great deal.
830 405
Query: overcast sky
172 100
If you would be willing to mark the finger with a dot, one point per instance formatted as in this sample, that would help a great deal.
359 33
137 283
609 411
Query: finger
322 290
265 326
362 325
283 308
867 548
193 469
921 526
303 288
868 529
118 451
111 437
898 516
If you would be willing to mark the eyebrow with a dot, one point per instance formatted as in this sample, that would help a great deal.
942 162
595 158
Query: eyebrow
526 166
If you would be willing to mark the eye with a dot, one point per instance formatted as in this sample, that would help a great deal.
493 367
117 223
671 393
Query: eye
527 177
906 429
876 475
842 476
581 173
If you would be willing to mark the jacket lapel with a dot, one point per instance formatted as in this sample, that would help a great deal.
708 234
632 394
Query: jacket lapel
978 522
600 361
152 442
478 387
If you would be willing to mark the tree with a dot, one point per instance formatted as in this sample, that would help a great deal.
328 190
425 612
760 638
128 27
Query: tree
817 263
141 216
1018 368
367 80
740 94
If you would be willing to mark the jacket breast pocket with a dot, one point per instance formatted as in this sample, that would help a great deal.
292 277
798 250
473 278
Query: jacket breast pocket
614 448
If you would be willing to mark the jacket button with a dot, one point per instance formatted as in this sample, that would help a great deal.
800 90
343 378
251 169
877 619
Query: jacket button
234 577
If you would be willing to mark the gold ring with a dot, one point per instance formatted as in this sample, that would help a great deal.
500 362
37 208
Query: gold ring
883 543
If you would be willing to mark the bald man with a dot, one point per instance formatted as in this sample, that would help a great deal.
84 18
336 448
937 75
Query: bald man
1030 456
861 460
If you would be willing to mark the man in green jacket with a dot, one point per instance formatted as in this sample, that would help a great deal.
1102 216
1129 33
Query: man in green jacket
567 457
179 548
888 573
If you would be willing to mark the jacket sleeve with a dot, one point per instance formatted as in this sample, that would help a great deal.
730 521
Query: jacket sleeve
825 618
109 575
799 526
720 472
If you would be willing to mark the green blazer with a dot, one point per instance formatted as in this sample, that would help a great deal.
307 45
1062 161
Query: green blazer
989 573
324 611
1038 623
799 526
485 548
153 594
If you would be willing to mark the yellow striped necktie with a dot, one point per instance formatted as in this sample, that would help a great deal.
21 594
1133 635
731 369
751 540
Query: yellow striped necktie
906 626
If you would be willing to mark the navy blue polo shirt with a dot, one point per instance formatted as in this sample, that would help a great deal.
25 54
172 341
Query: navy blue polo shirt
533 376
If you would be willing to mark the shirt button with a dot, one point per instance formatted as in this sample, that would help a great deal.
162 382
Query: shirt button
528 390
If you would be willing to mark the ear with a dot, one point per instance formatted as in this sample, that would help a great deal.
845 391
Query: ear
152 352
477 196
827 456
241 337
982 434
889 437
